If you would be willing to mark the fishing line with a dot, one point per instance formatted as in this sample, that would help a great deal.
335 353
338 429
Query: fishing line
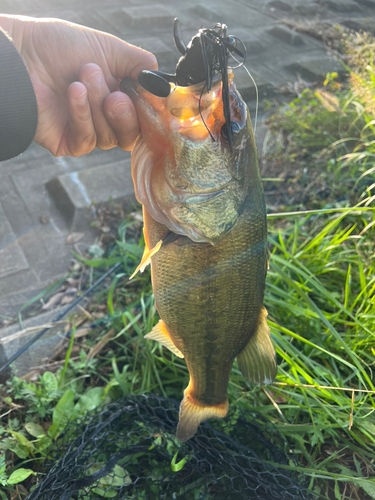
257 97
61 315
200 112
242 65
320 211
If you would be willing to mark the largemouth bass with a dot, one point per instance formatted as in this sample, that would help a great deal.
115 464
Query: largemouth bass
206 239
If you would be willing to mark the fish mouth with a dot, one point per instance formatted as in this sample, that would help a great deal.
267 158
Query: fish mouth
192 185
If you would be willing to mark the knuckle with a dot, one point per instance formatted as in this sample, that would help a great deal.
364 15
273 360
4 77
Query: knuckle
107 143
84 146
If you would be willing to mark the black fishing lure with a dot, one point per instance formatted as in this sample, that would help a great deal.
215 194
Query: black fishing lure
202 59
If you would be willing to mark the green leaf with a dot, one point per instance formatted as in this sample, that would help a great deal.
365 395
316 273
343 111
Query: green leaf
119 477
106 494
337 491
3 476
22 439
2 463
20 450
43 442
62 413
368 486
20 475
50 381
34 429
367 425
89 401
22 447
177 467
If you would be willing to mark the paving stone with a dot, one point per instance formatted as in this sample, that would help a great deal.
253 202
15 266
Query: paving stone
11 303
93 20
247 89
116 18
25 199
6 7
342 5
163 53
46 251
23 6
316 69
360 23
367 3
286 35
21 281
278 4
252 41
230 15
76 192
306 9
12 258
14 208
12 339
146 18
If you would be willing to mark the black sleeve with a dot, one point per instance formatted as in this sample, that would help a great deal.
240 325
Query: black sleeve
18 108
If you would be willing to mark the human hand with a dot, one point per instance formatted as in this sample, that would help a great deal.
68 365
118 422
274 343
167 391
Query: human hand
75 72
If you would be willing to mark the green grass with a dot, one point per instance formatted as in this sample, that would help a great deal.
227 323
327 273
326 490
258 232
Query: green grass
320 293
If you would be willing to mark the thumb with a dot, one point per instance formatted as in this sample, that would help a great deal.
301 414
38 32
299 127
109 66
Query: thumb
126 60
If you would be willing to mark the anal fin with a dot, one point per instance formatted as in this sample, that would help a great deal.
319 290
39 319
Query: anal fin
146 259
257 360
161 334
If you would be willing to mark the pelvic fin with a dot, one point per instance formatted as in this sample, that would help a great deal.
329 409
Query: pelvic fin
146 259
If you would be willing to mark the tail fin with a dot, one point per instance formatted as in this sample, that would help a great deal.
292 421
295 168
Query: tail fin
192 413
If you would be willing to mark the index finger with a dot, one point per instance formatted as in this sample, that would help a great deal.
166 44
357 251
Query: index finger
126 60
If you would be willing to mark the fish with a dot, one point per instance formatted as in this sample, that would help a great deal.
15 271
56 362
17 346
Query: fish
205 231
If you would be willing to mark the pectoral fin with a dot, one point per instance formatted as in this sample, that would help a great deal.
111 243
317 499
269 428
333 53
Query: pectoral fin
146 259
161 334
257 361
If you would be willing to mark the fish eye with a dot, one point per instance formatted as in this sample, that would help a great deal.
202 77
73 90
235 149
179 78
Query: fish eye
235 128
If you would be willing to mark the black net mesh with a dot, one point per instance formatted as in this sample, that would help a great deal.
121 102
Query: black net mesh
127 451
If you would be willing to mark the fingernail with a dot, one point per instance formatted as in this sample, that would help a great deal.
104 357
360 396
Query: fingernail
95 80
81 99
121 109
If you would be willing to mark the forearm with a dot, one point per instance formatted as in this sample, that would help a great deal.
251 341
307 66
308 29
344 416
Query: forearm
18 108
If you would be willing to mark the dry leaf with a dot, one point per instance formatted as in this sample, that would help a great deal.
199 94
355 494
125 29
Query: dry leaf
74 238
329 101
66 299
72 282
53 301
72 290
44 219
137 216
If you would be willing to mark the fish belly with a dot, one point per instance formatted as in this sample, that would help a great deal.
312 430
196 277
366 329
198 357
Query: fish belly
209 298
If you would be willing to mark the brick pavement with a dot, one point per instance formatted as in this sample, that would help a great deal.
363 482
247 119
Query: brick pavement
32 254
